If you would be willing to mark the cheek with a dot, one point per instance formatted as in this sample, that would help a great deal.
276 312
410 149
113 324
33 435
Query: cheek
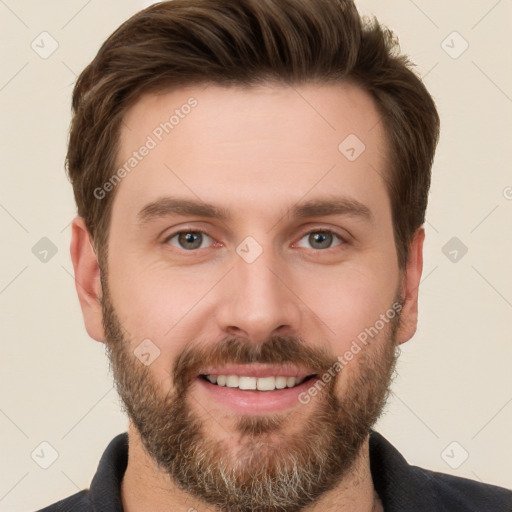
149 293
160 305
347 301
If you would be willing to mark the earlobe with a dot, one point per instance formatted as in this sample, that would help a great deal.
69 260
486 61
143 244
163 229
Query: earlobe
87 278
410 288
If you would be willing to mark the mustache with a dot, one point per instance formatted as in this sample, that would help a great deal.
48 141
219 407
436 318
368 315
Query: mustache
291 350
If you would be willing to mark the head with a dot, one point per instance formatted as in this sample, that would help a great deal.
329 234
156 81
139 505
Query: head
251 180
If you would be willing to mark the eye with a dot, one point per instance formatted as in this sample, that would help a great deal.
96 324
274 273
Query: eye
321 239
189 240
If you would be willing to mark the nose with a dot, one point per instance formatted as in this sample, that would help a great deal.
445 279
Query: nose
258 300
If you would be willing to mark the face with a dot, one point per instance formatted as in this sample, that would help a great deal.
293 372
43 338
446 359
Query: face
248 249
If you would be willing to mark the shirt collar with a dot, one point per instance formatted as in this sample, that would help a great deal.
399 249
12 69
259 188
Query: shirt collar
397 483
105 489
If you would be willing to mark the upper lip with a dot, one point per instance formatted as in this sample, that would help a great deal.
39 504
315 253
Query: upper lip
258 370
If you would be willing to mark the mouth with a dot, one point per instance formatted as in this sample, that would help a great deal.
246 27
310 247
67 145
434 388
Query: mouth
252 390
246 382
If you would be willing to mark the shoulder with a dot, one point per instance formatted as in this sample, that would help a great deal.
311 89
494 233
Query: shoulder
465 495
78 502
104 493
406 488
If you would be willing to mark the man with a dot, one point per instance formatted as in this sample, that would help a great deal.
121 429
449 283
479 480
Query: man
251 180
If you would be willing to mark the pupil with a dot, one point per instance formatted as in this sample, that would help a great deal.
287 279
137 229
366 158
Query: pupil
322 239
188 239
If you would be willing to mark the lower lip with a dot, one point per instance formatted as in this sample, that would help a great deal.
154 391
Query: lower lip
252 402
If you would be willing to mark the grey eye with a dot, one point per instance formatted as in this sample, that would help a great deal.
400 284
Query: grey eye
320 239
189 240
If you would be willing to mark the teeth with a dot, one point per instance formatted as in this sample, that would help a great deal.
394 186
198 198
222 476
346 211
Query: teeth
261 383
266 383
248 383
232 381
281 382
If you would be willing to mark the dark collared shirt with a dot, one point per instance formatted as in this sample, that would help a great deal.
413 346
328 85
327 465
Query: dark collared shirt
401 487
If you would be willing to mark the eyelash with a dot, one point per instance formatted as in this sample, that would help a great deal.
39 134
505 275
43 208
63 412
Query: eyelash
342 239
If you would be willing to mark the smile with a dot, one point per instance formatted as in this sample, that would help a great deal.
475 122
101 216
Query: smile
244 382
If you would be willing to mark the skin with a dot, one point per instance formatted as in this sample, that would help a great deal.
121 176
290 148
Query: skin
255 152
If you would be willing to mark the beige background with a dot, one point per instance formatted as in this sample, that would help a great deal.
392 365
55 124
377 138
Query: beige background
454 380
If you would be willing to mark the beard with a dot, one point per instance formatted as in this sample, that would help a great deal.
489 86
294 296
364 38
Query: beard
270 470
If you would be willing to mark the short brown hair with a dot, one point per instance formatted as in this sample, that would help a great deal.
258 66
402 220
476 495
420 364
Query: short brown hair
246 42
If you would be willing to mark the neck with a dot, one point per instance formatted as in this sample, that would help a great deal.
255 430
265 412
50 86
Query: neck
146 487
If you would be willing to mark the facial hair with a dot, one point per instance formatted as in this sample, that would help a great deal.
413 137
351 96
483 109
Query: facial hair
269 471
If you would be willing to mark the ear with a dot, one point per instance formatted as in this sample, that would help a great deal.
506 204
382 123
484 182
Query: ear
410 288
87 278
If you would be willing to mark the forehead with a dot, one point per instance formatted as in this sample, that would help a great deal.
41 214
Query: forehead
268 140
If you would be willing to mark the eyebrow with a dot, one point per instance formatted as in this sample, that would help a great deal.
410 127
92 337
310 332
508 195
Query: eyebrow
171 206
